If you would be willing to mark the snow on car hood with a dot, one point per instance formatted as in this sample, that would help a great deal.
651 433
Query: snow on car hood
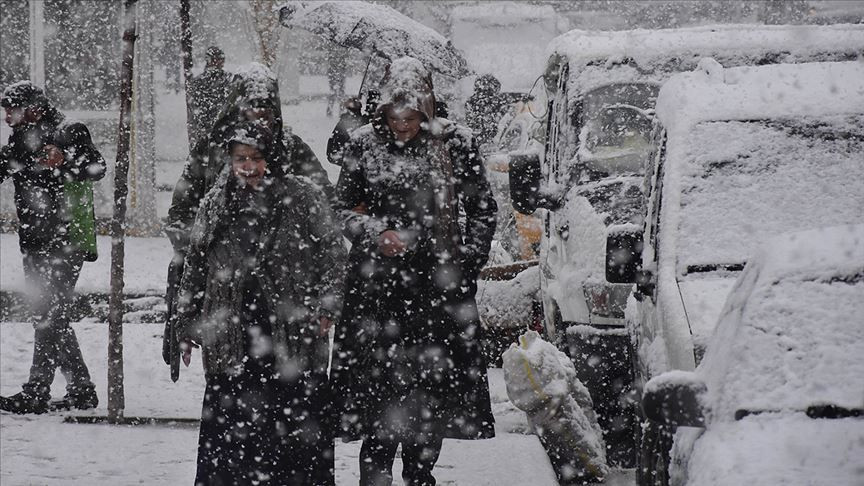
792 450
790 335
703 300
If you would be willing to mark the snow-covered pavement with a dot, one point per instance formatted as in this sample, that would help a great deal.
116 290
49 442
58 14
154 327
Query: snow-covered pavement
44 450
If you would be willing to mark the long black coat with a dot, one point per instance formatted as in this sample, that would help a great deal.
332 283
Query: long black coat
39 195
407 354
298 267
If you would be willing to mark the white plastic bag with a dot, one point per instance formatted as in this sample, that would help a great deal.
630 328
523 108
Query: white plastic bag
541 380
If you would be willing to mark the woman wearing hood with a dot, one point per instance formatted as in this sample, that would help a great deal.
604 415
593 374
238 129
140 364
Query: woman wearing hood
254 98
261 286
420 215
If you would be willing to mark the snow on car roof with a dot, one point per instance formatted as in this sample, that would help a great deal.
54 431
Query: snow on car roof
645 46
747 93
790 335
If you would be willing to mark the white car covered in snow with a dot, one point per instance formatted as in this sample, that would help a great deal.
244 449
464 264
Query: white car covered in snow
603 88
780 393
743 154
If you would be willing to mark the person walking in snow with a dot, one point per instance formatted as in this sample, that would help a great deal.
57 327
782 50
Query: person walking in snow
407 366
254 97
48 160
337 57
260 289
484 108
208 93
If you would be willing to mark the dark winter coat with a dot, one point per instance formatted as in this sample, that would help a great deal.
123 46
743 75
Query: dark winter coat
39 197
210 155
485 108
407 354
298 267
209 93
351 119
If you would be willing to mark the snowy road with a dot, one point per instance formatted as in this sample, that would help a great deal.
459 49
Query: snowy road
42 450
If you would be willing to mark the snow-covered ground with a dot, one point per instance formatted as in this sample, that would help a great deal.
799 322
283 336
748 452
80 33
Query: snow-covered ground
43 450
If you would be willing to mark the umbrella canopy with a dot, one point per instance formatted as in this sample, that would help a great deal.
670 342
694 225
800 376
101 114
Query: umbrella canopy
378 29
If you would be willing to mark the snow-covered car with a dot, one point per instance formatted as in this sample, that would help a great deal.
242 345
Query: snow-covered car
742 154
603 89
779 396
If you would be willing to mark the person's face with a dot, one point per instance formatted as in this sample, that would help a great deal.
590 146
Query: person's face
18 115
263 116
248 164
404 123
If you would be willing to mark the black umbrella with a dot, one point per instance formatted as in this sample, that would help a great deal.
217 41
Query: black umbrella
377 29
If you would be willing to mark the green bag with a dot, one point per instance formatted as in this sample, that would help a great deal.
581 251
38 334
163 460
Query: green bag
81 230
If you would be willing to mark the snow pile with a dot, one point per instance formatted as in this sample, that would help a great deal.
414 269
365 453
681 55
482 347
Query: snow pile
507 303
541 380
791 333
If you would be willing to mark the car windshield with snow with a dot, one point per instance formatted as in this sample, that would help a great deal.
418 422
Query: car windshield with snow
590 181
743 155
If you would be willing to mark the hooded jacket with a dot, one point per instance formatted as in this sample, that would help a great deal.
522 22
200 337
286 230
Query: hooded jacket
297 264
484 108
43 222
255 87
399 311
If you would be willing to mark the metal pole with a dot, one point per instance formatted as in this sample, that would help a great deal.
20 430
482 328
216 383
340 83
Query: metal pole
37 42
186 53
116 396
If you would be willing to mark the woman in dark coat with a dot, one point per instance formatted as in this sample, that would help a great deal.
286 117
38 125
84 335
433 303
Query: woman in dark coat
261 284
420 216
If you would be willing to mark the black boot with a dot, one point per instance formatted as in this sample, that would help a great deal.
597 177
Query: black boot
23 402
82 398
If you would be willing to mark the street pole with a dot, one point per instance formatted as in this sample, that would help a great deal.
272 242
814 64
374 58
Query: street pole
116 395
37 42
186 53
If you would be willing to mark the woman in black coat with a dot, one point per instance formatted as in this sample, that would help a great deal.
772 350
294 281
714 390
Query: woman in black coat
260 289
420 216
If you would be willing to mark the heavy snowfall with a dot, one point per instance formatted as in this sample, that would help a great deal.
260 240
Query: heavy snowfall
455 242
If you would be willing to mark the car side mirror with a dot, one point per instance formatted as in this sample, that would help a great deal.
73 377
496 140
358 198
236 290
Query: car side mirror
675 398
526 194
623 254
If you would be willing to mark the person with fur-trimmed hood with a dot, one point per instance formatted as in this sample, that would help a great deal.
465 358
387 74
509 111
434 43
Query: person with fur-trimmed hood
416 205
261 287
254 97
49 162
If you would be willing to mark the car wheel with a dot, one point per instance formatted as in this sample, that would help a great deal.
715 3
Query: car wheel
654 450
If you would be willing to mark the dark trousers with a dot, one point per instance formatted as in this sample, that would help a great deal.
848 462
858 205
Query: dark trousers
256 429
53 277
418 460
